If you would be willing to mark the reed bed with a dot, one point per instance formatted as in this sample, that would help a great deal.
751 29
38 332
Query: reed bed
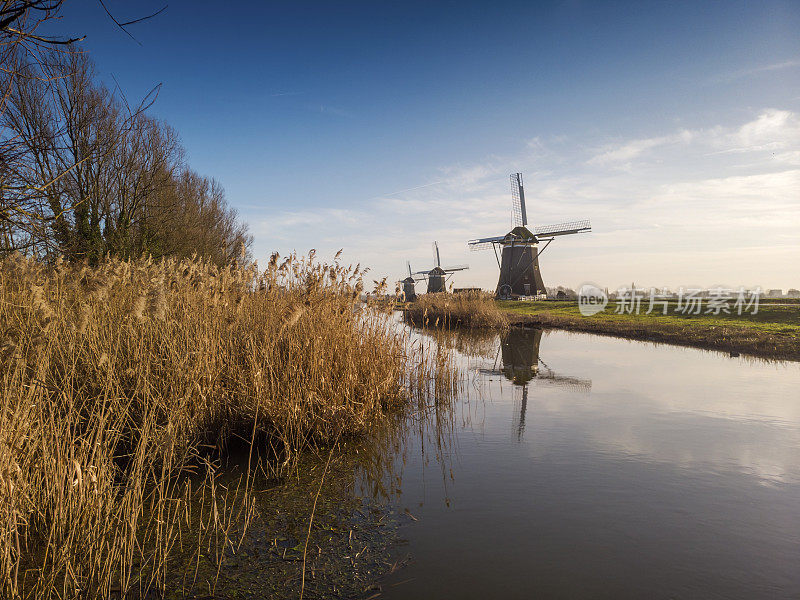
123 384
471 309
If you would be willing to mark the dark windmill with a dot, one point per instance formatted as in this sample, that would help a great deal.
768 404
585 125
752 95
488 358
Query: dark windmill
409 283
437 276
521 364
519 256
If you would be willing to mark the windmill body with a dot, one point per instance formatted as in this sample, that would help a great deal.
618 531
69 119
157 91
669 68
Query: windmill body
519 266
409 289
436 280
409 285
519 249
437 276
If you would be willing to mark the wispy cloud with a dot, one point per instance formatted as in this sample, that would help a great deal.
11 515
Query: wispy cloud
778 66
624 152
326 109
405 191
771 130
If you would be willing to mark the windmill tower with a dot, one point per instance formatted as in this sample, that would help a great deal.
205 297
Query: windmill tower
409 283
519 248
437 276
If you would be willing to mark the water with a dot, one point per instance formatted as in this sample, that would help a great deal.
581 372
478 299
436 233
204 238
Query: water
579 466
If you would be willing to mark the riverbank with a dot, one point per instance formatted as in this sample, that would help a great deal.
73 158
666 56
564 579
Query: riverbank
773 332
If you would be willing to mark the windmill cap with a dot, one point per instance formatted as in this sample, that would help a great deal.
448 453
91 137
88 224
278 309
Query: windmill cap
521 233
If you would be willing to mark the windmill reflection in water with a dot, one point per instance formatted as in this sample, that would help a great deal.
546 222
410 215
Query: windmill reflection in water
518 360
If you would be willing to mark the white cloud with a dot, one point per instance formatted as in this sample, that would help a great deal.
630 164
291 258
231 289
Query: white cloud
771 130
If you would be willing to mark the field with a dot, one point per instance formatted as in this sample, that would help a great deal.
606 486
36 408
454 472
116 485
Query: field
125 385
773 332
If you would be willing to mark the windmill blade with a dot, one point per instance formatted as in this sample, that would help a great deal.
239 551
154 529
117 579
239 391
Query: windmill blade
476 246
408 264
563 228
574 383
518 201
436 260
484 243
486 371
455 268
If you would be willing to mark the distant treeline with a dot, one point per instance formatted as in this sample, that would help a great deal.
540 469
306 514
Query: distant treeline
84 173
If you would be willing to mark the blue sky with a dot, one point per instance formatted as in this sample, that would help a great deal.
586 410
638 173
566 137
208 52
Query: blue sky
379 127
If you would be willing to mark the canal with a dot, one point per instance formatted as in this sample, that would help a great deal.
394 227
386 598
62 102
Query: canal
579 466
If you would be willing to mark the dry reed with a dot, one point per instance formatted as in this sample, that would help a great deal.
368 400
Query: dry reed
465 309
123 382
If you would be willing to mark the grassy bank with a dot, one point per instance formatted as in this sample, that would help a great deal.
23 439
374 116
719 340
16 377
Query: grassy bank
123 385
774 332
467 309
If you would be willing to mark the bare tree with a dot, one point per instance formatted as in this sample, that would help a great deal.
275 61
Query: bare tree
91 176
58 131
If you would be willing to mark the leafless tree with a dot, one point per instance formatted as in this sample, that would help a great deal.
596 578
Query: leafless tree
82 173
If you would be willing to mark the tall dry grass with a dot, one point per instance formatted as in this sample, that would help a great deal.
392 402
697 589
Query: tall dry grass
465 309
121 384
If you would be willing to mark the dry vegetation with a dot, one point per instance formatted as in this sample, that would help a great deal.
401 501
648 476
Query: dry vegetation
123 383
466 309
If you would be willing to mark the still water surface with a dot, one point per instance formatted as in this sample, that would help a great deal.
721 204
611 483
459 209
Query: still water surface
579 466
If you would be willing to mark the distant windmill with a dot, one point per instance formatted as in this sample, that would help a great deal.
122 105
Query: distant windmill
519 259
438 276
409 283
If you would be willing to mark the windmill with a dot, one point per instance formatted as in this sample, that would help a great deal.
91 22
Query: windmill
438 276
409 291
519 257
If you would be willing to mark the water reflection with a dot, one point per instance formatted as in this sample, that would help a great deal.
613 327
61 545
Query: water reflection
645 471
629 470
518 359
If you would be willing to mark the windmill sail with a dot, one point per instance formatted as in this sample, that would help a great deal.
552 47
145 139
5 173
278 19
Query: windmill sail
455 268
563 228
484 243
436 260
518 211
